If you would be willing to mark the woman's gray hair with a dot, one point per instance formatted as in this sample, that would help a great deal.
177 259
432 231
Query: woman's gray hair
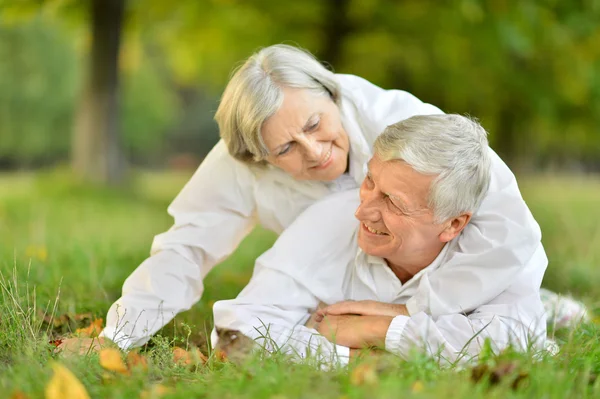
452 147
255 93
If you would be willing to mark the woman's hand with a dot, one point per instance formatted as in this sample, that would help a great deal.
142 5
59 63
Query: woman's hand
81 346
361 308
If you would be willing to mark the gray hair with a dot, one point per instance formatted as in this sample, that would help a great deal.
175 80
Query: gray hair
255 93
452 147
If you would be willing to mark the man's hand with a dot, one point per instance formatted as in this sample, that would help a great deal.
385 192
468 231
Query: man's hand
82 346
362 308
355 331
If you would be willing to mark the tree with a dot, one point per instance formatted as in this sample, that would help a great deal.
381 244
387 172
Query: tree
96 152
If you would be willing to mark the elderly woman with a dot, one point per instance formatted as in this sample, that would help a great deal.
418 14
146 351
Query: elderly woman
292 133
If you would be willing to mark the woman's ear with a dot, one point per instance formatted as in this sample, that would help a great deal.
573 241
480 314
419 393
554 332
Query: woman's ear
454 226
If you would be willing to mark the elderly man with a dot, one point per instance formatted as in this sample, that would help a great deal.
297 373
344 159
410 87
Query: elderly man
424 183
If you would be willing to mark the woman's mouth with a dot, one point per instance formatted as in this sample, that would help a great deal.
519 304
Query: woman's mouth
327 161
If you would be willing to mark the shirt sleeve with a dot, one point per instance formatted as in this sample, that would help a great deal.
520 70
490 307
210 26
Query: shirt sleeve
212 214
272 310
378 108
498 242
301 270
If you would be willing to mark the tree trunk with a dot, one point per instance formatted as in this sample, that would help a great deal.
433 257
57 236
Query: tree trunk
96 151
337 28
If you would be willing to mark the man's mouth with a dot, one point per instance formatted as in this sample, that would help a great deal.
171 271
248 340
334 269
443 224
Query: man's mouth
374 231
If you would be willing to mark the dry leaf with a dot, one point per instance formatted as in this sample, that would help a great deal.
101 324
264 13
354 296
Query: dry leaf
501 372
110 359
64 385
417 387
181 356
92 330
364 374
135 360
18 395
155 392
221 355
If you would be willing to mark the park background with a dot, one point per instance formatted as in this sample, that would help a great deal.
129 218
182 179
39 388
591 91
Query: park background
106 109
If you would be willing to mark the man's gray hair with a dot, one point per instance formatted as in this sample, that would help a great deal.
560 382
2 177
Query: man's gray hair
255 93
452 147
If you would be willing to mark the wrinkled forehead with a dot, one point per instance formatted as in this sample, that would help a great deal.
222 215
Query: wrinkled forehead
397 178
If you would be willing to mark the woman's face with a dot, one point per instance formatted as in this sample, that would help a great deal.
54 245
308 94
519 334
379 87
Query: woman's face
305 137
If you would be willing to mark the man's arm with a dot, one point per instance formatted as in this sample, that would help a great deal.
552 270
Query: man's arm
272 310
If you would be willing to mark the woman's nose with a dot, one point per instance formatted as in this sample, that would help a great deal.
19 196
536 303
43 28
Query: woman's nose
312 149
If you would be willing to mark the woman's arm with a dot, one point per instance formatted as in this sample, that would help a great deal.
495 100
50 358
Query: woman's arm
213 213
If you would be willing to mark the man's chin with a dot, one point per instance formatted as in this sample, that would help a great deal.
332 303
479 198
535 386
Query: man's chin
369 248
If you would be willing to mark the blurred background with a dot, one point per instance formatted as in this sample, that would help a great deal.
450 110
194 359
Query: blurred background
106 85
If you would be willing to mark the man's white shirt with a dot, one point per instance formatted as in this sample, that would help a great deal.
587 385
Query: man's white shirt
317 259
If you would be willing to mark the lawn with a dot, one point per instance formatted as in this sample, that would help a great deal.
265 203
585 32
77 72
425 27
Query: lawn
66 249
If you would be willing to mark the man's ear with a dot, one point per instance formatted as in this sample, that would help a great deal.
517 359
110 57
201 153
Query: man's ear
454 226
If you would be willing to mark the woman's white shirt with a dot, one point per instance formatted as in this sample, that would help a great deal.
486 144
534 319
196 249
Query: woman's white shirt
225 199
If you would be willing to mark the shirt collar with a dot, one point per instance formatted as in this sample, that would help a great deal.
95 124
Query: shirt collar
365 259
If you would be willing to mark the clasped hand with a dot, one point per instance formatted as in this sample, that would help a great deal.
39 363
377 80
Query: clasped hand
357 324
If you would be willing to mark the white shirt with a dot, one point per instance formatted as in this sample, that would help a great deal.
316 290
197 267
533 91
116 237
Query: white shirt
225 199
303 269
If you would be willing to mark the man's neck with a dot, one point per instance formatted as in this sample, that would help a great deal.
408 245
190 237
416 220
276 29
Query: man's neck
406 270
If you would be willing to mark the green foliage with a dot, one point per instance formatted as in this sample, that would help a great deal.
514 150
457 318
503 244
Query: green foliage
93 238
38 75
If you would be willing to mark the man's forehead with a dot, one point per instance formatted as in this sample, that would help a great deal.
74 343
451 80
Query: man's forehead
398 179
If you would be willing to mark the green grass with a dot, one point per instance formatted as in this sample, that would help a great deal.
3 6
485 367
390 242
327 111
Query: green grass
67 249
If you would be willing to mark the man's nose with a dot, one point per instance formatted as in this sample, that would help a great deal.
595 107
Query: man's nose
369 207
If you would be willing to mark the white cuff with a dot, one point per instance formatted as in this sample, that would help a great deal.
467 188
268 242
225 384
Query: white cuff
394 333
342 355
122 340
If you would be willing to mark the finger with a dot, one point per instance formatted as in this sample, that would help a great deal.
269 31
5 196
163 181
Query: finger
348 307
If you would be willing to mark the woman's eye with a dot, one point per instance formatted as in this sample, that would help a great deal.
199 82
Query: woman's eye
314 126
285 149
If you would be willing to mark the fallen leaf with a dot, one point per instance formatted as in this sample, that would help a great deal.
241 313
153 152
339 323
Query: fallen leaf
18 395
155 392
181 356
503 371
221 355
92 330
417 387
135 360
364 374
64 385
110 359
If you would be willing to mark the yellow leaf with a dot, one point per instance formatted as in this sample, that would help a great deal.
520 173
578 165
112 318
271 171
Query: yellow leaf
92 330
155 392
64 385
110 359
134 360
181 356
364 374
417 387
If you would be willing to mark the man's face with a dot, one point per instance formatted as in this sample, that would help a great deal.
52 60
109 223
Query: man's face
396 223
